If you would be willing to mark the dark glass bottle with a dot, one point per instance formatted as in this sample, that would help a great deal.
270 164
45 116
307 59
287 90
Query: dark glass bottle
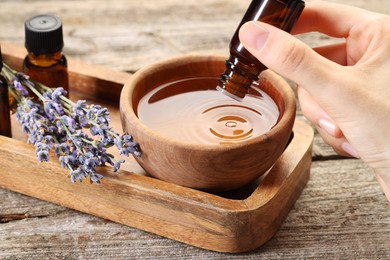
242 68
5 116
45 62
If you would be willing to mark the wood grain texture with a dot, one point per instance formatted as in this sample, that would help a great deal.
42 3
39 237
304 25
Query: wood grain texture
341 214
129 34
333 218
197 218
237 221
204 166
85 79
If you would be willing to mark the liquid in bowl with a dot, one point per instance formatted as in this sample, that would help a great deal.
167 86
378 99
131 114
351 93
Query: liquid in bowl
192 111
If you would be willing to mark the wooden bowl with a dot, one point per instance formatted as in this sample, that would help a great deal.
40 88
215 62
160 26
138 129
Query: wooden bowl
210 167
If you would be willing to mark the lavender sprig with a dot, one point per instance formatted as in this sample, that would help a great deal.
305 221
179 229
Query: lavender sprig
60 124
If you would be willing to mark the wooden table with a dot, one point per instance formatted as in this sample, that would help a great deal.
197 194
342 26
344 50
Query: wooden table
342 212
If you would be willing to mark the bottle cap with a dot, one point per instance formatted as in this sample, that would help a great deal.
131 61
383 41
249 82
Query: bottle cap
43 34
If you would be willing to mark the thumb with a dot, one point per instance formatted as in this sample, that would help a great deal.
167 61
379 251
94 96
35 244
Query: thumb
286 55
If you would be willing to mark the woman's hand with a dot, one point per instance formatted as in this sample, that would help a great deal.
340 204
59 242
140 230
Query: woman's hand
343 88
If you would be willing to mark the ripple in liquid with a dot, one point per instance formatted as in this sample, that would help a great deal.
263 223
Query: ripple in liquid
191 110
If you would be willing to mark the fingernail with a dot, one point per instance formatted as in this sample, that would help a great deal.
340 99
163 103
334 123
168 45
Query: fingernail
347 147
253 35
327 126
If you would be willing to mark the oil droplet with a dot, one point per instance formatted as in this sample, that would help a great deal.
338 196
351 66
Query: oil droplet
191 110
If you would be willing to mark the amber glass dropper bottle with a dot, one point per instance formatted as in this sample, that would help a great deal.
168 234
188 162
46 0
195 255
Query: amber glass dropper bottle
5 117
45 61
242 68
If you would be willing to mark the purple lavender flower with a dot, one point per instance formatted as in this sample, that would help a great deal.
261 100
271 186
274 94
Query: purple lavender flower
96 130
95 177
70 123
98 115
60 124
43 155
53 109
79 112
127 146
42 151
90 162
117 165
107 158
58 92
76 175
80 107
68 161
61 149
17 83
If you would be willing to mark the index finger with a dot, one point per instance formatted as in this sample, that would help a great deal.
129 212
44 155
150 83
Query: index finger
332 19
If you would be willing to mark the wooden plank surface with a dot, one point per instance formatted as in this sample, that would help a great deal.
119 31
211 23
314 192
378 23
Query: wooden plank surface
237 221
342 212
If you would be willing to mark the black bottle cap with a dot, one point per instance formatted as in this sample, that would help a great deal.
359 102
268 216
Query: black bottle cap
43 34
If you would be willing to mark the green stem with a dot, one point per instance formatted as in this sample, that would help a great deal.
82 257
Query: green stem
67 101
8 72
36 92
16 96
68 133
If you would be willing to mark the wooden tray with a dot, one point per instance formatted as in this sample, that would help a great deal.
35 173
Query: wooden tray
236 221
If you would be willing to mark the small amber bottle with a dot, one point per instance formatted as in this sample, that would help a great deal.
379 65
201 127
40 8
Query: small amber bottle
45 61
242 68
5 117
